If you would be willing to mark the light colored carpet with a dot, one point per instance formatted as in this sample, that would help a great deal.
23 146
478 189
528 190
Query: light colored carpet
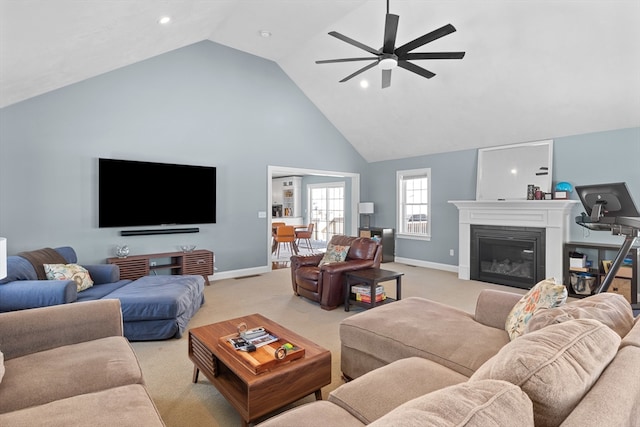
168 370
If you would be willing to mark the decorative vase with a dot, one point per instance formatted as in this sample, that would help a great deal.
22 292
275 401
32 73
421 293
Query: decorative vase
122 251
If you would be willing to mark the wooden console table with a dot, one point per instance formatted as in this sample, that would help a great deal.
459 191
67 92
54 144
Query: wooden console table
198 262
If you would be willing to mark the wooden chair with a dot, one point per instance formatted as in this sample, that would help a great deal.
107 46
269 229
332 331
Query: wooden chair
305 235
286 235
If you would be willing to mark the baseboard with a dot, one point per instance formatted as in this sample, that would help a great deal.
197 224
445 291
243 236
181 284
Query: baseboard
427 264
232 274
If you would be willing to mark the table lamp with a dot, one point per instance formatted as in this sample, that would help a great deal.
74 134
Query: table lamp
366 209
3 257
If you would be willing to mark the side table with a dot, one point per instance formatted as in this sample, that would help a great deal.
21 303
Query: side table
371 277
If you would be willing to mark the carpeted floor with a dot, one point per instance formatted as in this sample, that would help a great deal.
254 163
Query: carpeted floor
168 370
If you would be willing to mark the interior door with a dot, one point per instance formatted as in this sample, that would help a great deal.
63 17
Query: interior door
326 210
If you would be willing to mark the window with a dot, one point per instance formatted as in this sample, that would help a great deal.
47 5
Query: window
414 191
326 205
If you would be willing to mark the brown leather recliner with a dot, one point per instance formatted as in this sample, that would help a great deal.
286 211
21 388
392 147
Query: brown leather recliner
326 284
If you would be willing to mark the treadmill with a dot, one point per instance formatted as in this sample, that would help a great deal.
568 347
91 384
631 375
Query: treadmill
610 207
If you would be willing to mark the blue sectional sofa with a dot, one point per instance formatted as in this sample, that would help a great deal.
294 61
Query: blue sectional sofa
153 307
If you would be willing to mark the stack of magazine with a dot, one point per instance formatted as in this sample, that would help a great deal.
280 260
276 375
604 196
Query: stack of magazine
244 343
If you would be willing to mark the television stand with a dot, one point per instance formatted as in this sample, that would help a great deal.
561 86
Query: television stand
198 262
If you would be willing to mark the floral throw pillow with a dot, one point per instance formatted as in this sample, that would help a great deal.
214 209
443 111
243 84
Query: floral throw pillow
545 294
74 272
335 253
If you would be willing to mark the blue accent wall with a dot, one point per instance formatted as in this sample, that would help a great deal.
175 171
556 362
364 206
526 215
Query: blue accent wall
601 157
207 104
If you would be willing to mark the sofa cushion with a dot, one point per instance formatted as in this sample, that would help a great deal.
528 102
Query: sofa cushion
99 291
556 366
420 327
316 414
66 371
74 272
1 366
371 396
159 297
19 268
335 253
128 405
470 404
613 399
545 294
633 337
611 309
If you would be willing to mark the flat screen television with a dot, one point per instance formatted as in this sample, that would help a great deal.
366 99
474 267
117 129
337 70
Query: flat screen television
134 193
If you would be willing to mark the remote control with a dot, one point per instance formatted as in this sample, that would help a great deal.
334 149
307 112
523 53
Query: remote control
250 334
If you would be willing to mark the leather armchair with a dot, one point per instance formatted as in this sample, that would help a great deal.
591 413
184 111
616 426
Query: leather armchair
325 284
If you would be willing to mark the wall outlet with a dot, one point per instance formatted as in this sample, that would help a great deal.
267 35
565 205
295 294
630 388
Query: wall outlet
451 252
153 264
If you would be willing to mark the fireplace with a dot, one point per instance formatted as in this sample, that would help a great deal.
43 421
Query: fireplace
513 256
550 215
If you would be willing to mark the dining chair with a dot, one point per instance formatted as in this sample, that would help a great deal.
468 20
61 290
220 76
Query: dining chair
274 228
286 235
305 234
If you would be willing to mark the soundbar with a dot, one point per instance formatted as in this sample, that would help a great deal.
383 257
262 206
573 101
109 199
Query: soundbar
159 231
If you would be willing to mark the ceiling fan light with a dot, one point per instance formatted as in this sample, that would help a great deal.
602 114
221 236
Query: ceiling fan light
388 63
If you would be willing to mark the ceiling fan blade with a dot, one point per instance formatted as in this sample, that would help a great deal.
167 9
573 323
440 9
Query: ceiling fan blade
386 78
427 38
354 42
361 70
415 69
390 31
433 55
330 61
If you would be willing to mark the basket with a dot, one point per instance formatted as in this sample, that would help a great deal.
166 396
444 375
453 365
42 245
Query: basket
583 283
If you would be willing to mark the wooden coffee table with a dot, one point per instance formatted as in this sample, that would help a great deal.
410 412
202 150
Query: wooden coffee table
255 395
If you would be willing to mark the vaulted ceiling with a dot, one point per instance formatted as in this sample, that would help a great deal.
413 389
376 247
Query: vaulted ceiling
533 69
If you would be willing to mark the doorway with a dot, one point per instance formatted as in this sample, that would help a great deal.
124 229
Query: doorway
350 198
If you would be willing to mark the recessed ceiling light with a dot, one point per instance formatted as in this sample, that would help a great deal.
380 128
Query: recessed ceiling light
364 84
164 20
265 33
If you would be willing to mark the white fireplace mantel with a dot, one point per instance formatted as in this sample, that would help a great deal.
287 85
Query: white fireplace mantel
552 215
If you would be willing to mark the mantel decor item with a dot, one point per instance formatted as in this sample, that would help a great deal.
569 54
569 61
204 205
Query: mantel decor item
122 251
562 190
366 209
3 257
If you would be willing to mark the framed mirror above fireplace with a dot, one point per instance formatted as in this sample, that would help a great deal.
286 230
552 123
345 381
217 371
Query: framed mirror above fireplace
505 172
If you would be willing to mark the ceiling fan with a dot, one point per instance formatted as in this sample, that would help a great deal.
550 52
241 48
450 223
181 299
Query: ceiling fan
388 56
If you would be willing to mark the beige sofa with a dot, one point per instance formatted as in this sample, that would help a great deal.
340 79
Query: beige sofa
70 365
418 362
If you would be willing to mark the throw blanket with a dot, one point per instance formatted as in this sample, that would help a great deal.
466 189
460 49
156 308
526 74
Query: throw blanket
42 256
